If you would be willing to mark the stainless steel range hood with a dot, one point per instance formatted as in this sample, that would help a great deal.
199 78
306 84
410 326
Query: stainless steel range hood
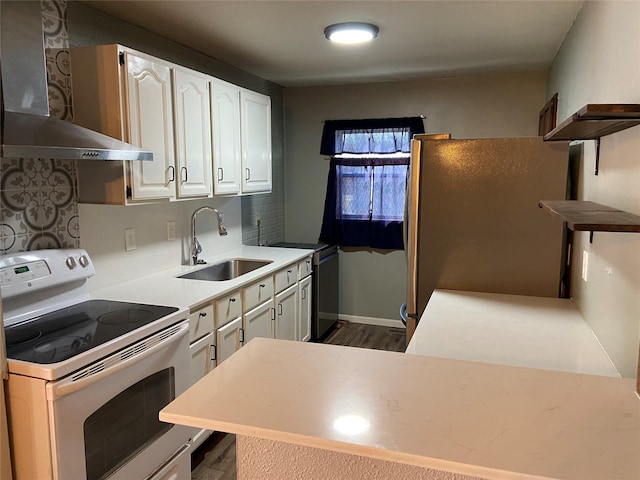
27 129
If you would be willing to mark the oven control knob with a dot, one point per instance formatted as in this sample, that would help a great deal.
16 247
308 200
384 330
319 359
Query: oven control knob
71 263
84 261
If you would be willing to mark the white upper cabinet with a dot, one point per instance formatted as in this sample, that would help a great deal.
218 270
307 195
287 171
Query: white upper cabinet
193 133
255 114
207 136
241 140
227 161
149 107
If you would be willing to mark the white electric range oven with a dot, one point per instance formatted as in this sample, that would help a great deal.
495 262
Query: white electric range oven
87 377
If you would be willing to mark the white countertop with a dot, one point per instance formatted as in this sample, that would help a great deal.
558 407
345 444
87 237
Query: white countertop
537 332
472 418
164 288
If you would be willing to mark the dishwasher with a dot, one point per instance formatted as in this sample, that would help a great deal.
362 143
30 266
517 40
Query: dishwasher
325 277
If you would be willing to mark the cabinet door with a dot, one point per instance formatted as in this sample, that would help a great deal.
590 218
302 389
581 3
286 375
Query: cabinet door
259 322
286 312
225 110
193 133
200 357
150 119
303 331
256 142
228 340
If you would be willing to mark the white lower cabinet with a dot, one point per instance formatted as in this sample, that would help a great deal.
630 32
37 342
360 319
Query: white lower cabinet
200 357
228 340
286 313
259 322
303 330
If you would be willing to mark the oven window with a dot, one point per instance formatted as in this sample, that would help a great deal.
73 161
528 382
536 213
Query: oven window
126 424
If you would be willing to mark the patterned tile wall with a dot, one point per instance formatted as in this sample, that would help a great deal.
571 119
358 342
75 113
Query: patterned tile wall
38 197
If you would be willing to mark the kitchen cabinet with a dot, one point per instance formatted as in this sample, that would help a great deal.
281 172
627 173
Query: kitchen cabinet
197 127
286 313
286 277
260 322
241 139
201 336
152 104
150 124
255 116
201 322
227 160
193 133
228 340
200 357
303 325
228 308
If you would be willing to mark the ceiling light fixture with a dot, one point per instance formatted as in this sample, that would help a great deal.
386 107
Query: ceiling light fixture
351 32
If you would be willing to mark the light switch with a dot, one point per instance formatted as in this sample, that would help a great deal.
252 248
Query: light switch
130 239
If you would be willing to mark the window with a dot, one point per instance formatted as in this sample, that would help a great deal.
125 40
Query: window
364 206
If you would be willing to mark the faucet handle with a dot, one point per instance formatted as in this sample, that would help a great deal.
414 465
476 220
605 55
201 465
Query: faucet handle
196 248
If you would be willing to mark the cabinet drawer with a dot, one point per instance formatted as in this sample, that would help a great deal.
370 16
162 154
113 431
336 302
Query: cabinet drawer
286 277
200 322
228 308
256 293
304 268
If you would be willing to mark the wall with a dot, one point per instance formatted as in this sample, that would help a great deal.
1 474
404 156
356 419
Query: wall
102 227
598 63
261 459
38 201
373 283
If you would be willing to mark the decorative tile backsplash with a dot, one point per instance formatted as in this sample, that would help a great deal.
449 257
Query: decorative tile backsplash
38 197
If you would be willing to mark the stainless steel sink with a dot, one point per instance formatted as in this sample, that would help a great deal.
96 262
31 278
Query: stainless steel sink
226 270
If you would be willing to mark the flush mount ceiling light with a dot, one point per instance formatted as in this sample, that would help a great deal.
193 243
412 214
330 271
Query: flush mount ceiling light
351 32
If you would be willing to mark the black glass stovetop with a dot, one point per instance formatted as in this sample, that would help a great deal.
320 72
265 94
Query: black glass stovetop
67 332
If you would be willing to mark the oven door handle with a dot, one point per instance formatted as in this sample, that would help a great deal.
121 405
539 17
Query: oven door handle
117 362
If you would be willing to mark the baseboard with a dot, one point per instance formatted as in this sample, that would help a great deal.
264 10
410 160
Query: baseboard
382 322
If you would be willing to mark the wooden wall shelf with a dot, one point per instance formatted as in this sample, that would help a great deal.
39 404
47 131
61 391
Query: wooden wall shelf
592 217
596 120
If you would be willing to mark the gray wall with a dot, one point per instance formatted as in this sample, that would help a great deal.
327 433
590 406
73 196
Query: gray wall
598 63
373 283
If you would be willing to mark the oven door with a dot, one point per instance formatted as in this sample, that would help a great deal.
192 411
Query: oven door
105 417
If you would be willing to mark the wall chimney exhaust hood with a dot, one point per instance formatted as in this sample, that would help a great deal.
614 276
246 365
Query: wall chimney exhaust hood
27 130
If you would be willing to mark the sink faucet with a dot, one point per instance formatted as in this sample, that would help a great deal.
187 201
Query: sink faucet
196 248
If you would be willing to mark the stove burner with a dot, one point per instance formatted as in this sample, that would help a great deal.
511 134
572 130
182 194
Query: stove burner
62 334
60 345
125 317
20 335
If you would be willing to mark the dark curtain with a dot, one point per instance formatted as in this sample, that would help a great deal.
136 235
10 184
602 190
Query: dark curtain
364 205
373 135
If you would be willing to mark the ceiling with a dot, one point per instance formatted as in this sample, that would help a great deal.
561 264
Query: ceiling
283 41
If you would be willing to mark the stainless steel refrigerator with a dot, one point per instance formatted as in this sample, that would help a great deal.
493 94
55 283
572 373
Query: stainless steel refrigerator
473 221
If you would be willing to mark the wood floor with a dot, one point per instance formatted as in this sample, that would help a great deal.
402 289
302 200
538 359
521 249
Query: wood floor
216 458
368 336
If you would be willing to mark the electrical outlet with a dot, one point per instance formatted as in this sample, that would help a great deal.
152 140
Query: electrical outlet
171 230
130 239
585 265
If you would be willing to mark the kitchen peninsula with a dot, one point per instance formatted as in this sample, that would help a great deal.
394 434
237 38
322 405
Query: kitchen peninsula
325 412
